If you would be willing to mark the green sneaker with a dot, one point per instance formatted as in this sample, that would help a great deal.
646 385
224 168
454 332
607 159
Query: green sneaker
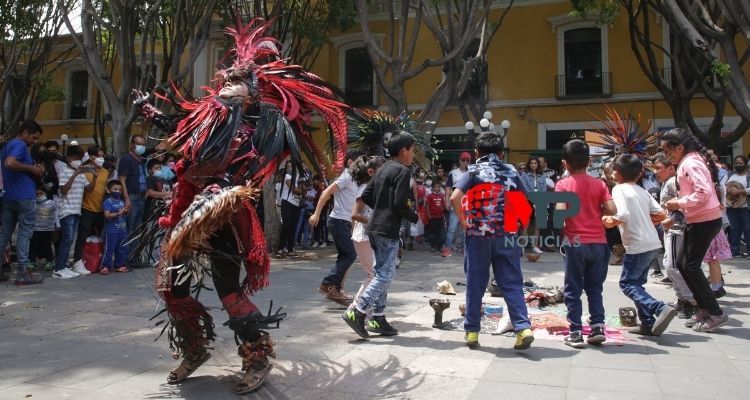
356 321
380 325
524 338
49 267
472 339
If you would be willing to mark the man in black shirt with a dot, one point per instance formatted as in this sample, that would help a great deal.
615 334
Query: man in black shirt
388 194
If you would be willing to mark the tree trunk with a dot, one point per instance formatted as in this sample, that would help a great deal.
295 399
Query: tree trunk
272 219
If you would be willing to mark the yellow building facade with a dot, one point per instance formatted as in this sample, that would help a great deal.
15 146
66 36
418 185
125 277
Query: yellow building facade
549 75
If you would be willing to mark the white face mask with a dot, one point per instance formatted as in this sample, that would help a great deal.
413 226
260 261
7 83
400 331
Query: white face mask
75 164
99 161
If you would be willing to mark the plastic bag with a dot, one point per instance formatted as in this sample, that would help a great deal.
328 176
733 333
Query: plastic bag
92 253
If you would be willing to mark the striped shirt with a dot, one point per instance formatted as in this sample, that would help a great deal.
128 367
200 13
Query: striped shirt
70 203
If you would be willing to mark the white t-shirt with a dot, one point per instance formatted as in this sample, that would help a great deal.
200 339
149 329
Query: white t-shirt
345 197
70 203
634 208
287 193
358 232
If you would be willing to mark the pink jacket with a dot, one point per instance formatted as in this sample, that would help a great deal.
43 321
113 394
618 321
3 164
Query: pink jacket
697 193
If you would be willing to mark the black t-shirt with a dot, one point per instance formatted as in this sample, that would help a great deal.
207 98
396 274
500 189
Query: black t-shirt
391 198
158 185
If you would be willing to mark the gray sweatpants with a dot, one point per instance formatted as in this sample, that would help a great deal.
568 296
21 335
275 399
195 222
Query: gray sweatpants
674 246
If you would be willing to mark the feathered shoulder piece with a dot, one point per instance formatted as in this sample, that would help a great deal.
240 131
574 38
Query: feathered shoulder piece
367 129
625 135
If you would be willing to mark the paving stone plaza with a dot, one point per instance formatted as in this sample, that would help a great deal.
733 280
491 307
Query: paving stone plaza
90 338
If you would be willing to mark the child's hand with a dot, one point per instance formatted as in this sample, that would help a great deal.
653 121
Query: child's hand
610 222
667 224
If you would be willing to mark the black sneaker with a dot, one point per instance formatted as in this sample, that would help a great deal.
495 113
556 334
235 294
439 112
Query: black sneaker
575 340
28 278
719 293
380 325
356 321
686 310
4 272
664 281
656 275
596 336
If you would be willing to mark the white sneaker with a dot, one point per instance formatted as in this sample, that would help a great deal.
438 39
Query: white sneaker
64 273
80 269
70 270
537 250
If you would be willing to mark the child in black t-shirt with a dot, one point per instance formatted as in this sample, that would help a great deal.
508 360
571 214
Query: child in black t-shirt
158 188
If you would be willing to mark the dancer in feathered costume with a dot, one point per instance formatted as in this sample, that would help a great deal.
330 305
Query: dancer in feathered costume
367 130
623 135
232 140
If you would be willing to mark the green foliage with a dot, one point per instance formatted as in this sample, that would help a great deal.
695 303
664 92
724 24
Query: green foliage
48 89
721 71
605 9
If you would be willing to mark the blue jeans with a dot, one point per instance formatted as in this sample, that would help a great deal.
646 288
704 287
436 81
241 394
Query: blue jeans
303 227
453 225
739 224
68 229
115 250
376 293
135 215
634 275
505 257
585 269
341 230
23 213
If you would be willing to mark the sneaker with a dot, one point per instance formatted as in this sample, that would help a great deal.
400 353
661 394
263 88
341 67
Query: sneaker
28 278
324 245
575 340
356 321
711 323
73 272
446 252
641 330
524 338
699 316
663 319
381 326
64 273
80 269
597 336
664 281
472 339
49 266
4 272
656 275
721 292
686 311
537 250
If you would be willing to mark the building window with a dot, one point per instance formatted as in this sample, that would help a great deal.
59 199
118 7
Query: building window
79 95
359 78
583 62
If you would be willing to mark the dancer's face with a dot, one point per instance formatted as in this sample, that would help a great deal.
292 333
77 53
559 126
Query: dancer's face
234 89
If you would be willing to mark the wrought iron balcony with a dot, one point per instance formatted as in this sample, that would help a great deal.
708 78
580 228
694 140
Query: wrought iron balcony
583 87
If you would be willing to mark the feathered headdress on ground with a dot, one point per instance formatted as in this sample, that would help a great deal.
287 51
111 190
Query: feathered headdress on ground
624 135
367 129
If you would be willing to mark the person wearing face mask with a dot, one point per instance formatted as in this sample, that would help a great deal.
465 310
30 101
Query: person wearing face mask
737 186
40 251
74 184
168 168
132 175
92 215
